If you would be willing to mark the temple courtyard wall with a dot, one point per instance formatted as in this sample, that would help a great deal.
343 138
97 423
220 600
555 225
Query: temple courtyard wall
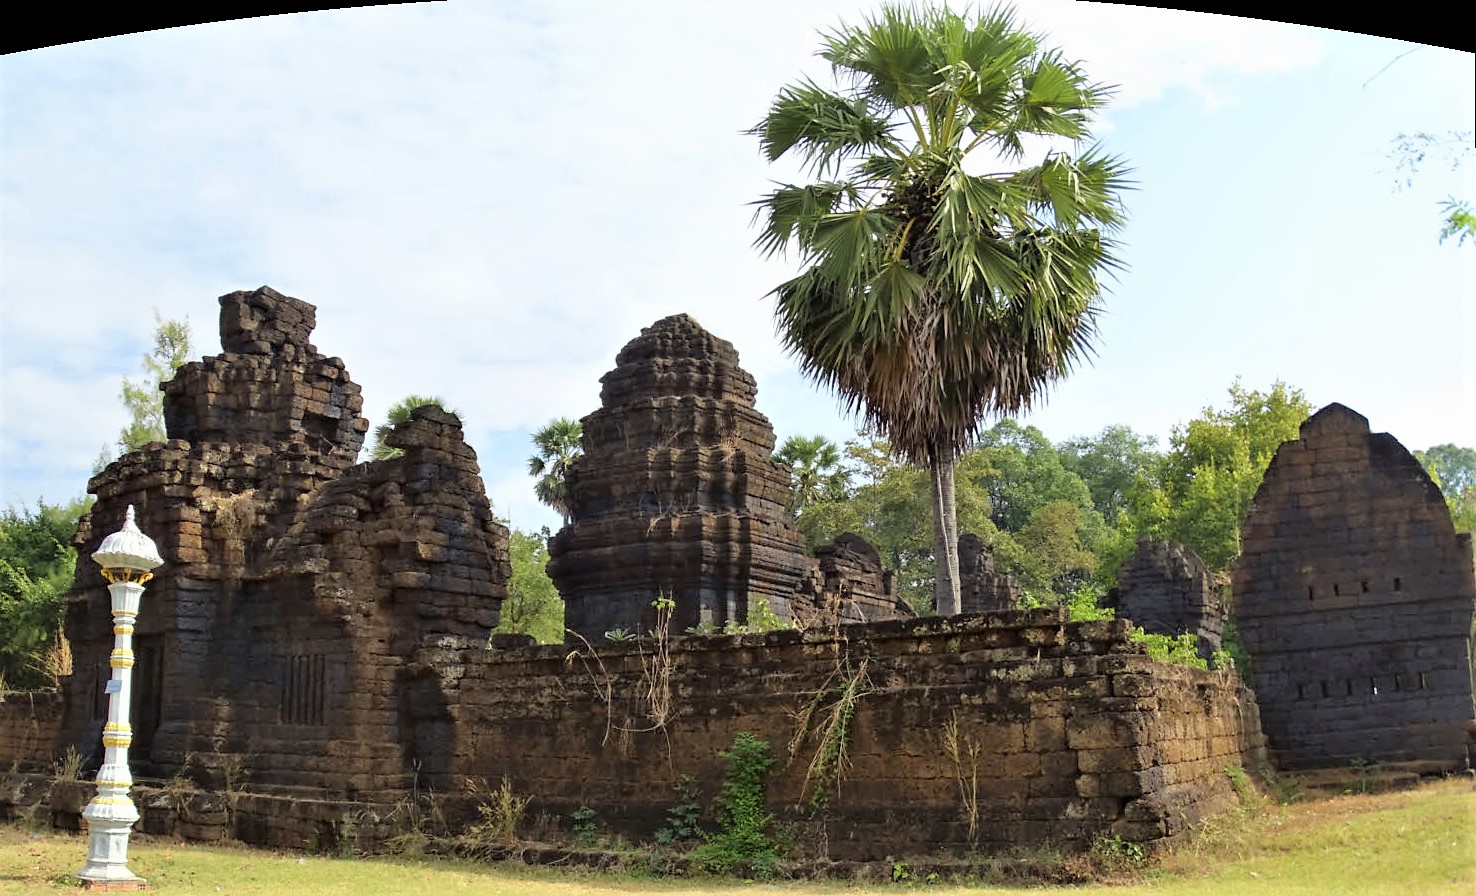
1064 732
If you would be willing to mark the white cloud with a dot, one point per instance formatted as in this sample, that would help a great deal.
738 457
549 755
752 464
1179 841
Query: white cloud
484 201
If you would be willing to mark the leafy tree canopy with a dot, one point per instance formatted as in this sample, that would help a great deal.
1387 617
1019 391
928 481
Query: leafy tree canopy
37 562
142 397
1454 469
1204 484
1110 463
533 605
815 471
1414 151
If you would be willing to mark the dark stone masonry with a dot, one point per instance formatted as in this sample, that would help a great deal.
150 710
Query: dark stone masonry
1165 589
1355 599
315 652
981 589
676 494
845 582
297 584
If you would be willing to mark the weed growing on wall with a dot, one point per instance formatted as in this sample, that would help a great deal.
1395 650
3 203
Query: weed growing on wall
501 812
1117 854
1241 781
68 767
1182 650
741 838
682 819
963 751
656 666
828 717
582 821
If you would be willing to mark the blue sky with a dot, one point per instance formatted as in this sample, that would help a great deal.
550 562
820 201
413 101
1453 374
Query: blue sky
486 201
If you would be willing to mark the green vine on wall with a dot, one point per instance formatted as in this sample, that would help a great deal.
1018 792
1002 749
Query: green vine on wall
742 837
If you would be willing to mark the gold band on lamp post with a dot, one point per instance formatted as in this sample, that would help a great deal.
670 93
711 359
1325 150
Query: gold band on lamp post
128 558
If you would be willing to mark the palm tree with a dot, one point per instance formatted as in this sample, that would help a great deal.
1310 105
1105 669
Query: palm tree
558 446
931 295
400 413
815 471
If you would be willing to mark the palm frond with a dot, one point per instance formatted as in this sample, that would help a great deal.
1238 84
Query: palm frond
823 127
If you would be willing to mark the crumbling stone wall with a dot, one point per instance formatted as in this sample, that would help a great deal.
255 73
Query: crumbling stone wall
30 723
845 583
981 589
675 493
1165 589
1354 599
296 585
1078 732
314 644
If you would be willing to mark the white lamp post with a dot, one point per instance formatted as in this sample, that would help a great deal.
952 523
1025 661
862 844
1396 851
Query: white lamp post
128 558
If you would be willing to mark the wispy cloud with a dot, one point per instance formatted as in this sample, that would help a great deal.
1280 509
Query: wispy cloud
485 201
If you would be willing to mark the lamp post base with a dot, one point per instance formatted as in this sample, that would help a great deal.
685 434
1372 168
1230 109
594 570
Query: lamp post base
109 821
114 886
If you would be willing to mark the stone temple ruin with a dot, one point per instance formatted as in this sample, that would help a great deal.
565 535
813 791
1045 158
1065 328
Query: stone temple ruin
1355 602
1166 590
675 493
299 585
315 652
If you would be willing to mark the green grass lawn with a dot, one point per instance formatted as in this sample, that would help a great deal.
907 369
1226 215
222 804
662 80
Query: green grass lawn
1410 843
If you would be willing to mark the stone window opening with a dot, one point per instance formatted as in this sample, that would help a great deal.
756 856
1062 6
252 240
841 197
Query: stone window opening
302 695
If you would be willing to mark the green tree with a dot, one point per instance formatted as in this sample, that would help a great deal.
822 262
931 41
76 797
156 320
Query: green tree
559 444
1411 151
533 605
932 295
36 566
142 397
1021 472
1450 465
1204 485
1055 559
890 505
1454 469
1110 463
815 471
398 414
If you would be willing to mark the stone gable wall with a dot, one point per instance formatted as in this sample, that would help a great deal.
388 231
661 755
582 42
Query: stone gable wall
1355 598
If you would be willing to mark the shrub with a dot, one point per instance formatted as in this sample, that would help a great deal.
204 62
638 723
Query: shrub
742 819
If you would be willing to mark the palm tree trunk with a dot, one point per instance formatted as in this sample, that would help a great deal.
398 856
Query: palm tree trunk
945 538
